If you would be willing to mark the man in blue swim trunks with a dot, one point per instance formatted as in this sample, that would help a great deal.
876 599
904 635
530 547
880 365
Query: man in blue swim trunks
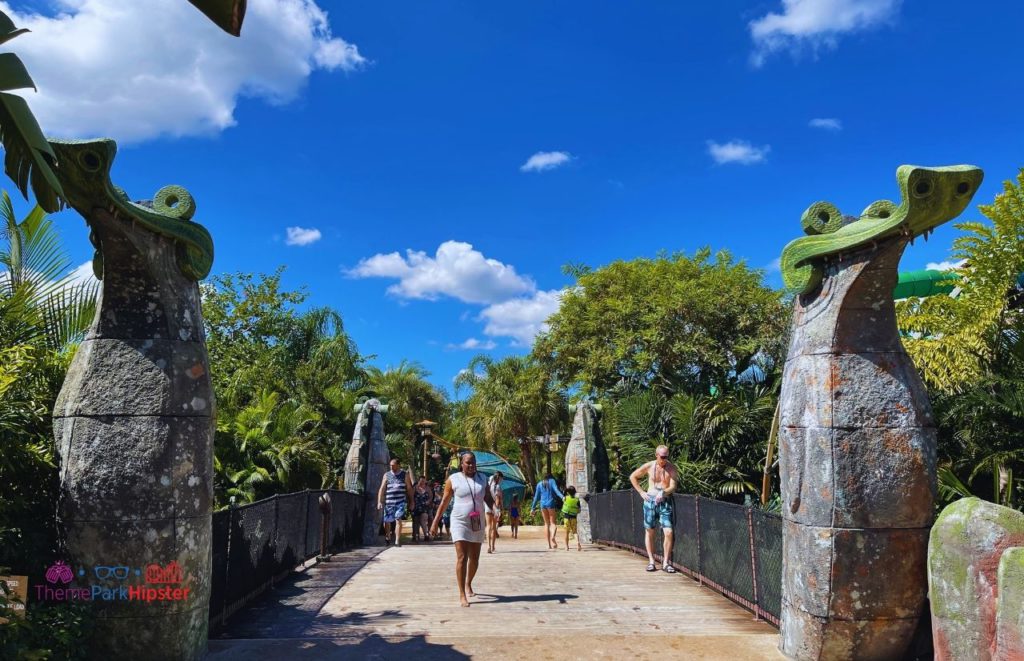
662 480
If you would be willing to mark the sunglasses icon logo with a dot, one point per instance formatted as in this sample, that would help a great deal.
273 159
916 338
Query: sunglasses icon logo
120 572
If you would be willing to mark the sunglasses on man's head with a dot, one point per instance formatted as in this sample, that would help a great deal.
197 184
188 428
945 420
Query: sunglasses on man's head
662 456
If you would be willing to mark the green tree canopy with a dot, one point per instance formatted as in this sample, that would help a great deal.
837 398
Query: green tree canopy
672 323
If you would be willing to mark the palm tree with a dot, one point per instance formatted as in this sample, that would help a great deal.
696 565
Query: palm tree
271 448
410 398
512 398
43 314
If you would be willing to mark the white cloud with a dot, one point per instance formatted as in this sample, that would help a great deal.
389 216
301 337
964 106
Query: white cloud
816 24
521 318
140 69
300 236
946 265
472 344
455 270
827 123
774 266
737 151
81 274
546 160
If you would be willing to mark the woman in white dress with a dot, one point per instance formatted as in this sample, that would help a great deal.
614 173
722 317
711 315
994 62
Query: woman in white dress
472 499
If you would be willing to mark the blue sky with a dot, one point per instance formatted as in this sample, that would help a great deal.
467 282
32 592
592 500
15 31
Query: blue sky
401 132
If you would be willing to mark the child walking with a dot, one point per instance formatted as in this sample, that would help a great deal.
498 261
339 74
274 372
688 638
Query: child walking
513 516
571 510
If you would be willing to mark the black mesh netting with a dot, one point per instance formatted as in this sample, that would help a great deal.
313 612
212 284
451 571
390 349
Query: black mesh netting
622 518
313 522
258 543
219 568
725 547
290 540
600 505
251 560
684 530
768 553
723 555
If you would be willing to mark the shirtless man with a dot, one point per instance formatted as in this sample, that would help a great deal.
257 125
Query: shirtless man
662 480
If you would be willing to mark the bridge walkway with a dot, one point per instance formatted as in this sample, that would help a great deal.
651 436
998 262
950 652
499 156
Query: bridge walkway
532 603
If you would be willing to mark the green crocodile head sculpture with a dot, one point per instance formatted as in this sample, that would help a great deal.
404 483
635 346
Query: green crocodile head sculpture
83 167
930 197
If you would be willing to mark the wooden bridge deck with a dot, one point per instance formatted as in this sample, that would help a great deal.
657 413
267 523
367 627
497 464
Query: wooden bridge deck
532 603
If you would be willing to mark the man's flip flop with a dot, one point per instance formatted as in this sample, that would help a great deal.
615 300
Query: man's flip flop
669 569
651 567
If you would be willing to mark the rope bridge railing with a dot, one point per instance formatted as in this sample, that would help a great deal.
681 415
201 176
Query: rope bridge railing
257 545
732 549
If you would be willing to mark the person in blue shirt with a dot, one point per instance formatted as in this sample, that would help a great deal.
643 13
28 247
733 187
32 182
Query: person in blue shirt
545 492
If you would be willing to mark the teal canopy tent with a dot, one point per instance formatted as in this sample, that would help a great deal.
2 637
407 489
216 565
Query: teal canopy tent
513 482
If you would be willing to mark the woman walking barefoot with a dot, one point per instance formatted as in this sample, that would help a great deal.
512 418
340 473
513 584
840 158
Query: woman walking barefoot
468 489
545 492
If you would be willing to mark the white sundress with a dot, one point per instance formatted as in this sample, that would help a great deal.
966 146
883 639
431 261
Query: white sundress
468 495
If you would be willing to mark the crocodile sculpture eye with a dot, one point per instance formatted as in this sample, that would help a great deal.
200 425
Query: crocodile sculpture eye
923 188
90 160
963 188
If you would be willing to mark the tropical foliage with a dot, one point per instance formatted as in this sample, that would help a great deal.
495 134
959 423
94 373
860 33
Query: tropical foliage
43 315
510 401
969 348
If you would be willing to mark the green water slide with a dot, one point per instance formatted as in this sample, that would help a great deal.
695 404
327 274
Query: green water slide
927 282
930 282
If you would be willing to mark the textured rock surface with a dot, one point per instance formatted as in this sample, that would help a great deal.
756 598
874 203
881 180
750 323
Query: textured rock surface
586 462
857 465
365 465
134 431
969 539
1010 606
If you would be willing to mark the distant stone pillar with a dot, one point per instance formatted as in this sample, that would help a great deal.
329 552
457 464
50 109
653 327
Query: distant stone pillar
134 431
586 461
366 464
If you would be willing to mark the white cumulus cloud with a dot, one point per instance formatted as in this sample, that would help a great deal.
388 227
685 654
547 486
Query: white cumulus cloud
737 151
301 236
82 274
816 24
946 265
134 70
521 318
475 344
546 160
827 123
455 270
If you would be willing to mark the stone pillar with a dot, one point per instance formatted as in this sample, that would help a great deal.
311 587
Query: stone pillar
1010 606
586 461
134 430
976 582
366 464
857 466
